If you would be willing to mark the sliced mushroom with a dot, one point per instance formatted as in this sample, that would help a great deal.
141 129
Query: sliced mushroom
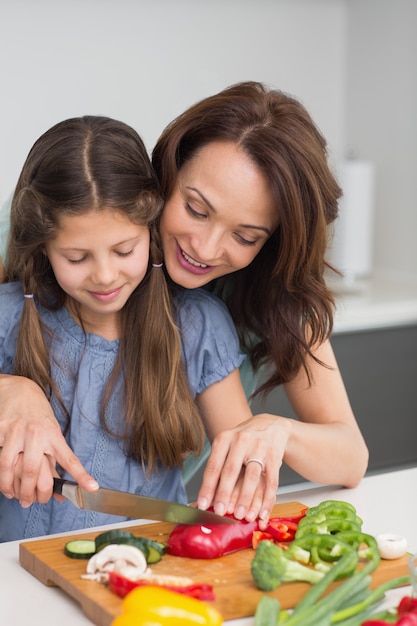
117 557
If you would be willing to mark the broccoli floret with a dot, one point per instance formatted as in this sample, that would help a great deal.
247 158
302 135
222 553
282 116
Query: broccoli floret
270 567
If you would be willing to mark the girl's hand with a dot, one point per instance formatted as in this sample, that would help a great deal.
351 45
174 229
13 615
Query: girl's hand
31 444
241 476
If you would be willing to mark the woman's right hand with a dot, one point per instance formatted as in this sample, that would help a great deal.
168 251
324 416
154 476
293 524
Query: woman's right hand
31 444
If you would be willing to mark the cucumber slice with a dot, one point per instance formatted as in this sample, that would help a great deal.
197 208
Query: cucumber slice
156 550
80 548
112 536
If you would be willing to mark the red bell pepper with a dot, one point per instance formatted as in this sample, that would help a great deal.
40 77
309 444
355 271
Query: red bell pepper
121 586
214 541
210 541
407 605
406 611
408 619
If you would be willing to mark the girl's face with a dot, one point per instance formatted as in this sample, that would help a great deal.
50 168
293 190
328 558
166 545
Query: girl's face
98 259
218 218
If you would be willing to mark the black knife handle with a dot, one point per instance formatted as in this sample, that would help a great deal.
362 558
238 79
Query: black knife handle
58 484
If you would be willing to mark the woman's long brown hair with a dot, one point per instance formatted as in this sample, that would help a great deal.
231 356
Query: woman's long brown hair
280 303
85 164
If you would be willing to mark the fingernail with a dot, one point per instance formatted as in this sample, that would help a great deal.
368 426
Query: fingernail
202 503
219 508
264 515
240 512
24 504
93 485
250 516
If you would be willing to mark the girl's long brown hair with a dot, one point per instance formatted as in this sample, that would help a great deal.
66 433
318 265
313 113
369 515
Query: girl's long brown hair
85 164
280 303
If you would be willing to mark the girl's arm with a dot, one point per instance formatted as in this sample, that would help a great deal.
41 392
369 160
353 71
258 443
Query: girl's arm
324 445
31 444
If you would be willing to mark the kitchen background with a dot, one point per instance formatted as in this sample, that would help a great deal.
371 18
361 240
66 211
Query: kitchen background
351 62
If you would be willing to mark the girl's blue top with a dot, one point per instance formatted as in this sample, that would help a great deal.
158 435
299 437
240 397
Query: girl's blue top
81 364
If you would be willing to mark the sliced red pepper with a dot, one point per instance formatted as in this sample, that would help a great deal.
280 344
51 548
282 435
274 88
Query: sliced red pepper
214 541
210 541
121 586
282 529
258 536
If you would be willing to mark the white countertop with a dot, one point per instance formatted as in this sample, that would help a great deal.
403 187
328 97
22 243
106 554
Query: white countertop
386 502
374 303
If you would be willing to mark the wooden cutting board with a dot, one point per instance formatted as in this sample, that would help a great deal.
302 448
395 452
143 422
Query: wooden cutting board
236 594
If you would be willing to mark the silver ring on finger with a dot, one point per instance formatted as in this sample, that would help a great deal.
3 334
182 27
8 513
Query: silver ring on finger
255 460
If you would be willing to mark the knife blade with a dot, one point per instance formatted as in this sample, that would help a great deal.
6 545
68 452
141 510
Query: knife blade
137 507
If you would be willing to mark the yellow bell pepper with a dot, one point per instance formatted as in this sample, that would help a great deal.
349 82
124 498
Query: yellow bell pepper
155 606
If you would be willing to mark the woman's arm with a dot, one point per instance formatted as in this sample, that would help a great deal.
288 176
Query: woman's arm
229 485
31 444
324 445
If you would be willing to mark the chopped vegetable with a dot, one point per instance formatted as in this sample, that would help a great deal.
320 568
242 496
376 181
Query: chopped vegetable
112 536
124 559
391 546
155 606
314 609
210 542
267 612
407 605
271 566
214 541
153 550
330 537
80 548
121 586
282 529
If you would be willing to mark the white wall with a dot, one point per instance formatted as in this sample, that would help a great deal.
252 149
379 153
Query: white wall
382 123
144 61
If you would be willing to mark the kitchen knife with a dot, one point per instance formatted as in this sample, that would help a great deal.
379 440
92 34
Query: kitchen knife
134 506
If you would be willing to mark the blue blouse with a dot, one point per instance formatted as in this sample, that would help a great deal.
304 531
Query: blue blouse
81 364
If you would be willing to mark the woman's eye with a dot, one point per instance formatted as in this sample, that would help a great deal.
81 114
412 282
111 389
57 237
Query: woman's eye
122 254
245 242
193 212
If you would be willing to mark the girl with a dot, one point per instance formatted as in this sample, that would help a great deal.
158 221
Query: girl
87 316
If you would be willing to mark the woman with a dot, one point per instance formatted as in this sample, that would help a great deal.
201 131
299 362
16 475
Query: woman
249 195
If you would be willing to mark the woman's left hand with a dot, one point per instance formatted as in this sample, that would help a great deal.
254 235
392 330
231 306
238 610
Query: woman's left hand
241 475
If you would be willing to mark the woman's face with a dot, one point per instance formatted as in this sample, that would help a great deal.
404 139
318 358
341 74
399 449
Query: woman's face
218 218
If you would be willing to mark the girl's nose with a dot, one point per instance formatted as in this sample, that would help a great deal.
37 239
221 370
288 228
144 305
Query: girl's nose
104 273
